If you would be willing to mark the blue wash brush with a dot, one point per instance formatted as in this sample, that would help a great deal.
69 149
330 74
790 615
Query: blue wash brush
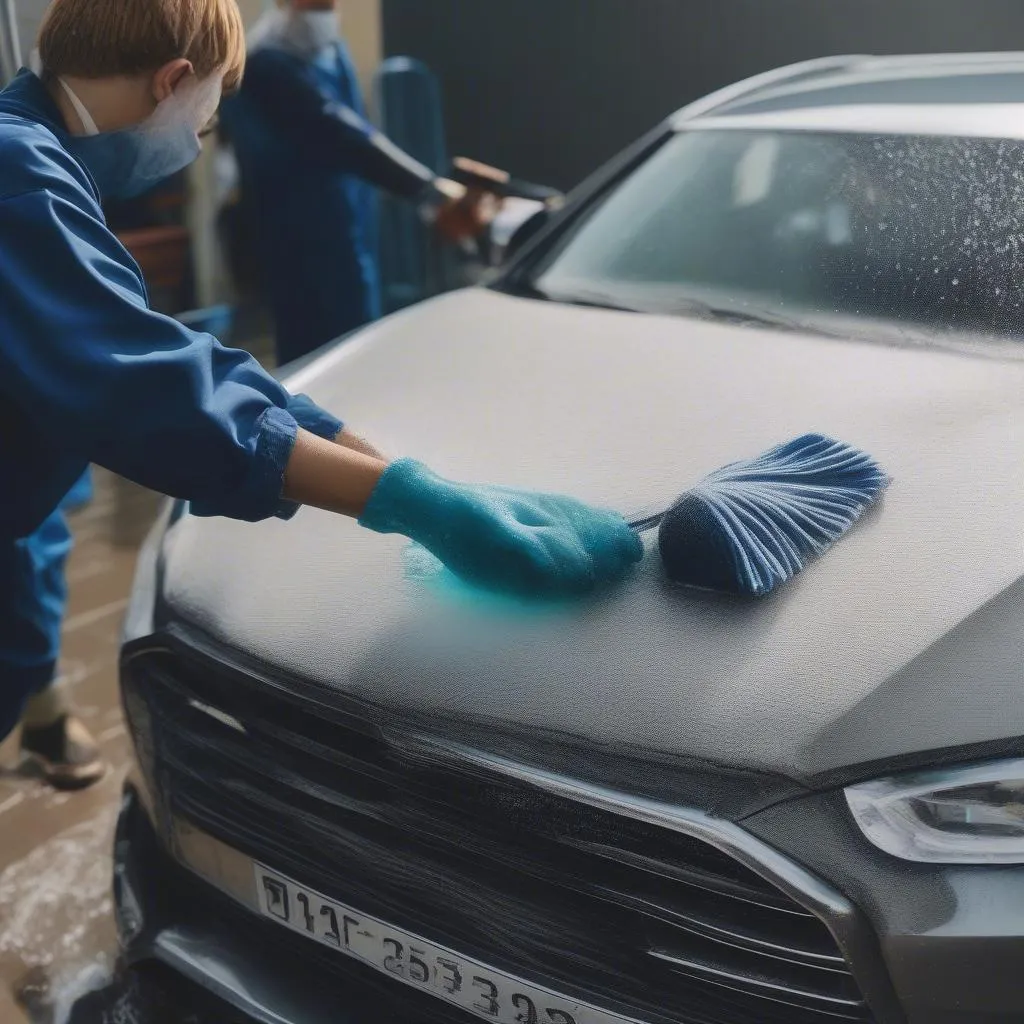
751 526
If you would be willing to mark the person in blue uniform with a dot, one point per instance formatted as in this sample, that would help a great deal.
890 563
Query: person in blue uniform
308 162
89 374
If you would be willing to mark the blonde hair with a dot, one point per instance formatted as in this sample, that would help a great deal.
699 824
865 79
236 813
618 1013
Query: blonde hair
101 38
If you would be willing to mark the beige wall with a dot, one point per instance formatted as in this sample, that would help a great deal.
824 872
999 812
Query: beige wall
362 25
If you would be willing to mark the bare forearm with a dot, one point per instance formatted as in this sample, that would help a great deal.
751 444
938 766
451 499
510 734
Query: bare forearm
358 444
331 475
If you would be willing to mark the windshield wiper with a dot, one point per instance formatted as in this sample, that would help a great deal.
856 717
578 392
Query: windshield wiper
753 317
687 307
591 300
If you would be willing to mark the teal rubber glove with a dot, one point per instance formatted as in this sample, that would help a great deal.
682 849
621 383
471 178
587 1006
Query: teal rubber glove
502 538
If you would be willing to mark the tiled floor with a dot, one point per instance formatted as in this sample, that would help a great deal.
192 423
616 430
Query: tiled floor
56 932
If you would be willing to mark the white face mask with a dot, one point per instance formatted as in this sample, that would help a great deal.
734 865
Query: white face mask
311 31
132 160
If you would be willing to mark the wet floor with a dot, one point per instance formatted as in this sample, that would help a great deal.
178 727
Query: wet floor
56 932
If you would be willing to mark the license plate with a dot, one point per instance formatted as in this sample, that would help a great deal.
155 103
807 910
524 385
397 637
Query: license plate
483 991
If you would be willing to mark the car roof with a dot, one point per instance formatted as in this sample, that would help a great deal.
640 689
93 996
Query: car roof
957 94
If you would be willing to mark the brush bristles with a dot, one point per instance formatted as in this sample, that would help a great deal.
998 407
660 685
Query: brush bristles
751 526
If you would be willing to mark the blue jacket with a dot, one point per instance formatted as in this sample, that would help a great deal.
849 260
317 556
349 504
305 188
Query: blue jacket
88 373
307 155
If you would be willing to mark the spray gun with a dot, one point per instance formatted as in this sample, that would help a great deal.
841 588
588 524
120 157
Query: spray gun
496 212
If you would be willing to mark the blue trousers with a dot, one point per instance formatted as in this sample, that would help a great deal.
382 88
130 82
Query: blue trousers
79 495
33 596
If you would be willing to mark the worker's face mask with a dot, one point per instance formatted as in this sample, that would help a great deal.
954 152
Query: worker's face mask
311 31
130 161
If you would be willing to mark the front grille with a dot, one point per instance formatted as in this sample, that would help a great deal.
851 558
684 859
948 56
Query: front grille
645 921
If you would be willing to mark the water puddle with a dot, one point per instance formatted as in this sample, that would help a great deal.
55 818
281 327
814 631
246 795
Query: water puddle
56 930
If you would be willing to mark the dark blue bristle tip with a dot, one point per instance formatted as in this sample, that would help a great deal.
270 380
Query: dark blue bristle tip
752 526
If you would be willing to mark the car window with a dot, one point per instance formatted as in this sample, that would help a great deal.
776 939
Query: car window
913 231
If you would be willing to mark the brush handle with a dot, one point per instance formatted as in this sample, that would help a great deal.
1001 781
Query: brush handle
648 522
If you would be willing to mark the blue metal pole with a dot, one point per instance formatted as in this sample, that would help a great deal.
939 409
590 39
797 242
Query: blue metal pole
407 99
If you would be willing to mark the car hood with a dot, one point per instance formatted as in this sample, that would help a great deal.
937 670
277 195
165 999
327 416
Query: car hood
905 639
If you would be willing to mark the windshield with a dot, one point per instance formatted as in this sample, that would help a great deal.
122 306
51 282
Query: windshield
907 232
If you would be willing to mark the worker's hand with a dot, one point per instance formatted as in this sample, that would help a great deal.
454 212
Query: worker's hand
463 214
502 538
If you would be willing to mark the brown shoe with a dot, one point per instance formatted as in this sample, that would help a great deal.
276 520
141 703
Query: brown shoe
66 752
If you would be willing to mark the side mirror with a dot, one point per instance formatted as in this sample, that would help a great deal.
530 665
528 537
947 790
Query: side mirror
517 224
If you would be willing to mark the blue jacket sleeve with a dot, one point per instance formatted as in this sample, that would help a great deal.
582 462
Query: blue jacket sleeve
87 364
311 417
328 132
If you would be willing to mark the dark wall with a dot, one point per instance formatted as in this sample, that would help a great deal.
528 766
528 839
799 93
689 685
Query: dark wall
549 89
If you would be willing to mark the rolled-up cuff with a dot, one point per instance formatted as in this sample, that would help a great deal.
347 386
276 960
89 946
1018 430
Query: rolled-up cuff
260 496
311 417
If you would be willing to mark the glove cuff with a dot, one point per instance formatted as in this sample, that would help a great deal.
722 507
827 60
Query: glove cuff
401 502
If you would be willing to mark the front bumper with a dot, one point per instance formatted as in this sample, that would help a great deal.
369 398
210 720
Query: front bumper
953 940
925 944
198 923
232 967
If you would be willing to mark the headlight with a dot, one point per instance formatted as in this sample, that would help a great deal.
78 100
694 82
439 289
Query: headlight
969 815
